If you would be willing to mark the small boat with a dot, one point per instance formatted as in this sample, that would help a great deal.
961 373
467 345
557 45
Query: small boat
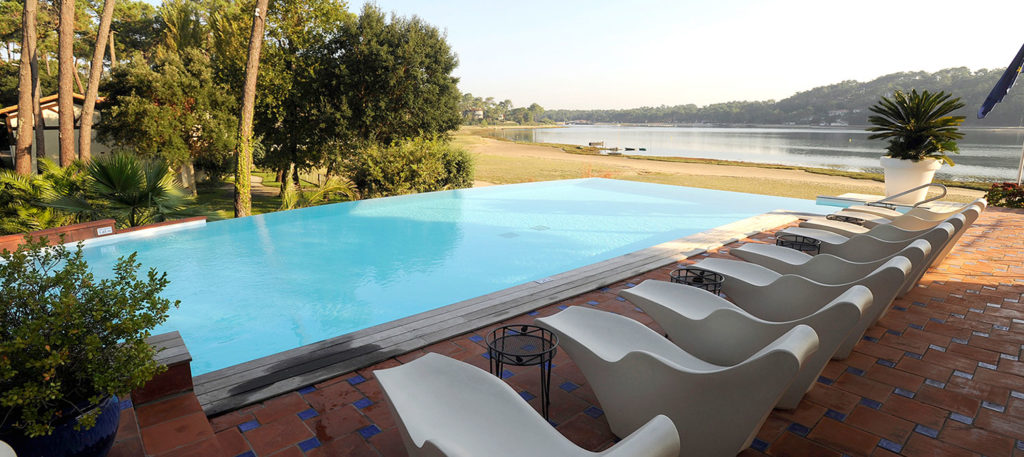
631 149
643 149
596 144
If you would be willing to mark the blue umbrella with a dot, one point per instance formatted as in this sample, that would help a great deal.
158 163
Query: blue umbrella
1003 86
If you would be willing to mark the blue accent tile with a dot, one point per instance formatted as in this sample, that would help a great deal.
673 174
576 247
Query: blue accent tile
1020 445
934 383
512 332
870 403
477 338
929 432
620 299
527 396
369 431
604 289
594 412
553 423
306 390
638 310
903 392
125 404
987 365
309 413
311 443
936 347
246 426
486 355
362 403
894 332
593 302
247 454
798 429
761 446
563 307
917 303
913 355
825 381
886 363
505 374
915 326
833 414
959 340
855 371
528 347
890 446
963 374
532 313
871 339
568 386
935 319
993 406
899 308
629 284
357 379
961 418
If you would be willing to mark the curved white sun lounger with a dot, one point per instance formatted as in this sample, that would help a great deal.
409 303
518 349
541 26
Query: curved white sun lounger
448 408
827 268
901 227
766 294
865 247
638 374
709 327
921 213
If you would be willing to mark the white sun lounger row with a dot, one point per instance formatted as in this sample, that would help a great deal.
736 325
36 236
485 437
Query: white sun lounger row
706 390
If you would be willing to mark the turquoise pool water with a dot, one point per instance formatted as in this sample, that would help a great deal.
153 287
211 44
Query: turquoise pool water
259 285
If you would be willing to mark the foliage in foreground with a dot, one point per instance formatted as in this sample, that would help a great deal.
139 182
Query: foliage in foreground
67 341
23 198
918 125
1006 194
410 166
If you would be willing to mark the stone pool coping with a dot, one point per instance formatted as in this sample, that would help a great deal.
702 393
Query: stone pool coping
250 382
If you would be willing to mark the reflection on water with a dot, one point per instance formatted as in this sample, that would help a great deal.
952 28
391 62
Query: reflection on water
984 154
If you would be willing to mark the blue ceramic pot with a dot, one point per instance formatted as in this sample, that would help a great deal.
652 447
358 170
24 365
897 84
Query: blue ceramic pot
65 441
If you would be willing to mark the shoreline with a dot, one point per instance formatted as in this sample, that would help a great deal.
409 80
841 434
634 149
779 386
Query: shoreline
500 161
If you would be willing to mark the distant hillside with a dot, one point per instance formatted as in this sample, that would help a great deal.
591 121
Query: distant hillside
845 102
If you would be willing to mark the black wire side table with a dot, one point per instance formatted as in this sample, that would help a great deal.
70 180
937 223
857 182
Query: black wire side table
524 345
699 278
845 218
798 242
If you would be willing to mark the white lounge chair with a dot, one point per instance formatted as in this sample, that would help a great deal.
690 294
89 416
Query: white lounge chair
637 374
901 227
709 327
6 451
848 247
448 408
763 292
919 212
830 268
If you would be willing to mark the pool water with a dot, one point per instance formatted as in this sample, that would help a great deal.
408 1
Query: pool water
255 286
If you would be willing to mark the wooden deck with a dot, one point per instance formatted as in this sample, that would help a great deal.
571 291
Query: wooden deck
239 385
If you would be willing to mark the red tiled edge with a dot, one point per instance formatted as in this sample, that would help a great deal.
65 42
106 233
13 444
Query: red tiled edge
162 224
71 233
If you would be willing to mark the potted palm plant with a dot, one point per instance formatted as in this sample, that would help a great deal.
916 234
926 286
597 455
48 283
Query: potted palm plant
921 131
69 343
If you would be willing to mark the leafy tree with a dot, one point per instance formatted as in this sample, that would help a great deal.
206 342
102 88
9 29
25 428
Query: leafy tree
394 77
410 166
170 109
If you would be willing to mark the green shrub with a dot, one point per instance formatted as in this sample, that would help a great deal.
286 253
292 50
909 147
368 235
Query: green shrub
68 341
918 125
1007 194
409 166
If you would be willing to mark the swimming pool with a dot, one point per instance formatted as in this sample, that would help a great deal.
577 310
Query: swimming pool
256 286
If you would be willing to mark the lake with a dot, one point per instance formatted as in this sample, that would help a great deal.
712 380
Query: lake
985 154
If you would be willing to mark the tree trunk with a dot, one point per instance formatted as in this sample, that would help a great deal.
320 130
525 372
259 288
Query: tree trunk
23 147
243 153
95 70
65 79
78 79
113 55
37 111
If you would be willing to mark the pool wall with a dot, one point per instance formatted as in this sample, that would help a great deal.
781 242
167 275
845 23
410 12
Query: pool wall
246 383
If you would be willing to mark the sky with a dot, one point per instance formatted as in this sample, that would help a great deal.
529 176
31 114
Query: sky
631 53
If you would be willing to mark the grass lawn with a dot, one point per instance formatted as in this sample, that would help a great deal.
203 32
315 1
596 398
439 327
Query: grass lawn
217 202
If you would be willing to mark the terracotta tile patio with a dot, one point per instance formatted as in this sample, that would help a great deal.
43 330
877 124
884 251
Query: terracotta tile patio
939 375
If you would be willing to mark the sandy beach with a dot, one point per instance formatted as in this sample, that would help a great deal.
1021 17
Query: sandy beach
504 162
